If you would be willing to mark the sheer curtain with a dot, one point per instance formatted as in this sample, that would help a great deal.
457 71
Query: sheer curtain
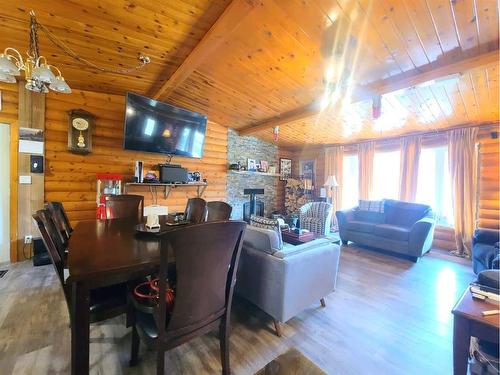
408 175
334 157
462 159
366 152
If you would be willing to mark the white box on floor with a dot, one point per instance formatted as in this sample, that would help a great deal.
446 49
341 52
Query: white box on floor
155 210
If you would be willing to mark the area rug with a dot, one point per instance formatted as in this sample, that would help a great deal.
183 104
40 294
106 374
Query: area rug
292 362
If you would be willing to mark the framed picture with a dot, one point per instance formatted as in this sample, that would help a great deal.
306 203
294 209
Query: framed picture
285 169
251 165
307 169
264 165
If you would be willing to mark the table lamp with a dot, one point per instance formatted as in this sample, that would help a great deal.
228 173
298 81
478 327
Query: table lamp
331 182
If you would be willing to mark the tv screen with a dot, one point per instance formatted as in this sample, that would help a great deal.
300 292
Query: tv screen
154 126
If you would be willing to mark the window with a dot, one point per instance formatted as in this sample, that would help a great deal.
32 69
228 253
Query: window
386 168
434 183
350 178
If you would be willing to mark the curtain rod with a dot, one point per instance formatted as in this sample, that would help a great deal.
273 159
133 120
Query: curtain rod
429 134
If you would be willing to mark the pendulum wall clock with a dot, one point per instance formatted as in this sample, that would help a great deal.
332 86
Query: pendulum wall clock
80 128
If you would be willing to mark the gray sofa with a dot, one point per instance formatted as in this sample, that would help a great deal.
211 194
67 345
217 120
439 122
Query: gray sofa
403 227
282 279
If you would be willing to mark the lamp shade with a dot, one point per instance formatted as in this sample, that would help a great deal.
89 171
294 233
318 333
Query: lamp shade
43 73
7 78
7 66
60 85
331 181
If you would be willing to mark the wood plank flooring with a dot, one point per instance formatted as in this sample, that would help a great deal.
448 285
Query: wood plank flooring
387 316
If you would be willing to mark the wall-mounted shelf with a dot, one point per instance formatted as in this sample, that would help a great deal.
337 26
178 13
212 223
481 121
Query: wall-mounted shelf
254 173
167 188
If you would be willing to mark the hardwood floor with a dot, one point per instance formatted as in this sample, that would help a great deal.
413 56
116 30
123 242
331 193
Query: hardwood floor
387 316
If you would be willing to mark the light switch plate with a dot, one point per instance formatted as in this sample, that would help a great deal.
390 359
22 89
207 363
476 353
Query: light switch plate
25 180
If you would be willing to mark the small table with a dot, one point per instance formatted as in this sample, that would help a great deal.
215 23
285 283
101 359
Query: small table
468 322
289 236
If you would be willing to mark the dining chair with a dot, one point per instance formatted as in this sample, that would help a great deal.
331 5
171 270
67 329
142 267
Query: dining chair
124 206
195 210
106 302
218 211
206 260
60 219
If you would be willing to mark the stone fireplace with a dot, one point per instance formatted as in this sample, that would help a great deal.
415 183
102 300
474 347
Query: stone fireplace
239 150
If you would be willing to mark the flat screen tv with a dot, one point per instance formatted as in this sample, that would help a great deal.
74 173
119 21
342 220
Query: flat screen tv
154 126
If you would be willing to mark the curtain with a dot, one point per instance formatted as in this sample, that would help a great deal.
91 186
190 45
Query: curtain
334 157
366 152
410 155
462 160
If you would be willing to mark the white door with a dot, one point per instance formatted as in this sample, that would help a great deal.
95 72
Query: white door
4 192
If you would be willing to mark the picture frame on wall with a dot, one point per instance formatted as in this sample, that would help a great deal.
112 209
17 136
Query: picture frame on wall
264 166
285 169
307 171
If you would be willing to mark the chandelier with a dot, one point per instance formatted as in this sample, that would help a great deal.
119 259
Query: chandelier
38 73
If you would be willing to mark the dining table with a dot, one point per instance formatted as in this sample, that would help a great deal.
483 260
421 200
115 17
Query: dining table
103 253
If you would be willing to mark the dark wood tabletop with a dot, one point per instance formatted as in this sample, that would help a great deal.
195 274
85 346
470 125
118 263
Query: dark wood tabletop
101 248
101 253
469 322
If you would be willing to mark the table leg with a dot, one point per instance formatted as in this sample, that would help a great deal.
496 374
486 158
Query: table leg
461 344
80 328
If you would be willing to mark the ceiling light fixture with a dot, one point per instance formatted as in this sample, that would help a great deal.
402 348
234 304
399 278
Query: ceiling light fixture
38 73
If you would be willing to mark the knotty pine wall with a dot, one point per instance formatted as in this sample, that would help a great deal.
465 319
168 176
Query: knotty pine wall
489 182
71 178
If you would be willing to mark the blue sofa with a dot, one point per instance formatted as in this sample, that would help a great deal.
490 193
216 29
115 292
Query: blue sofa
404 228
485 250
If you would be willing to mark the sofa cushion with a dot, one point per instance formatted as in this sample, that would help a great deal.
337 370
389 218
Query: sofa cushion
372 206
404 214
265 223
360 226
369 216
394 232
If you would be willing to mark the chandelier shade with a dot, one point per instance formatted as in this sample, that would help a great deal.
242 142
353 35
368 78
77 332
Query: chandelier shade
7 66
7 78
43 73
60 85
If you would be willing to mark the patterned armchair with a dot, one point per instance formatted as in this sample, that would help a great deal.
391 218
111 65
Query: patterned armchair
316 217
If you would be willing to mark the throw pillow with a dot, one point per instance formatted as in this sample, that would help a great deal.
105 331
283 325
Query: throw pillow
373 206
271 224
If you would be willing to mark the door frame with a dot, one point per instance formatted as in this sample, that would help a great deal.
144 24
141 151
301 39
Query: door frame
14 141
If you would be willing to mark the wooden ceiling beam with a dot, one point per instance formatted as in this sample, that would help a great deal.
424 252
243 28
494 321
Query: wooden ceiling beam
228 21
401 81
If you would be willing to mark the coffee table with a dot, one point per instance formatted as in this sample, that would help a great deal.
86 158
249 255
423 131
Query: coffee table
468 322
289 236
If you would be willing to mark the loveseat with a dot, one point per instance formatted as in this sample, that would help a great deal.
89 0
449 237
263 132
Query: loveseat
400 227
485 249
282 279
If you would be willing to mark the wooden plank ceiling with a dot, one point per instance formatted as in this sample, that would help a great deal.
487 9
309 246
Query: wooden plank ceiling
251 62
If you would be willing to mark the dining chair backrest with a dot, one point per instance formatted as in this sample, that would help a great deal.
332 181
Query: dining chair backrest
51 241
60 219
206 261
218 211
124 206
195 210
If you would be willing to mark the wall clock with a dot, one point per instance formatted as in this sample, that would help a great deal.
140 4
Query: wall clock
80 131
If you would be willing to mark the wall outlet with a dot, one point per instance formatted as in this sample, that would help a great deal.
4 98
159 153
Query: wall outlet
28 239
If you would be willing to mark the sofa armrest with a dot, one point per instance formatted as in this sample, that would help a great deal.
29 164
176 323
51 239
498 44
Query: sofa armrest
343 217
421 235
488 236
265 240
